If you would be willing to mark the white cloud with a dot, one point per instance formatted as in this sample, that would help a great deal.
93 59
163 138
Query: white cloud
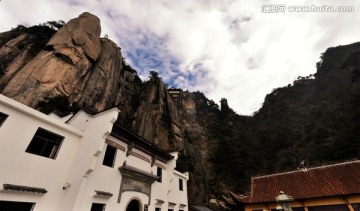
223 48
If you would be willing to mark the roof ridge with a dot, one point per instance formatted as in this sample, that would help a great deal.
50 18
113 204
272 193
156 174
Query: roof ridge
310 168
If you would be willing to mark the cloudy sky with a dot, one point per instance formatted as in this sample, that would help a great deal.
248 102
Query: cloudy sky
237 49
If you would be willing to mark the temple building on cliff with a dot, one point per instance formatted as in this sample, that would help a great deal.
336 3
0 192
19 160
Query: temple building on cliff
326 188
82 162
176 94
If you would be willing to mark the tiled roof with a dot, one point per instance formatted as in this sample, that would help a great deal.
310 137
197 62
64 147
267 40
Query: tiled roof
324 181
199 208
120 132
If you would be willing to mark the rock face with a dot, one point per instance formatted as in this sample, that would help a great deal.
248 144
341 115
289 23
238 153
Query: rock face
75 63
159 111
14 54
101 84
197 148
77 39
57 69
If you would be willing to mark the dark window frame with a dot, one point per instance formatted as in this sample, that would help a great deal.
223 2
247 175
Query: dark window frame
356 206
159 174
109 156
17 205
45 143
3 118
181 184
97 207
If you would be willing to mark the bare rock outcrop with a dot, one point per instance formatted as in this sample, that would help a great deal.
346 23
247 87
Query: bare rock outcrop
14 54
79 37
57 69
157 118
102 84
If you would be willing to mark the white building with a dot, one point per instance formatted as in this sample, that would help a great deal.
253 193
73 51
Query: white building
88 163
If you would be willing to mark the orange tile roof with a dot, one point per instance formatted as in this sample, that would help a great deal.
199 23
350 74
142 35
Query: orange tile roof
324 181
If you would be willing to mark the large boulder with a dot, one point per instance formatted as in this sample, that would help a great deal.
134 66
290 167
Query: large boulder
80 36
57 69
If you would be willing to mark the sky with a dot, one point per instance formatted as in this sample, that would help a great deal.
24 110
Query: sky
235 49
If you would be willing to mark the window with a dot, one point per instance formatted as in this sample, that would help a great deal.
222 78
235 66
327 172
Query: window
298 209
159 174
181 184
339 207
109 157
45 143
356 206
18 206
97 207
2 118
157 209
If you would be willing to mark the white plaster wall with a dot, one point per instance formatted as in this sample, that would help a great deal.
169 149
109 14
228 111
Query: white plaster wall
176 195
168 190
21 168
108 179
162 186
96 129
137 162
79 163
103 178
159 190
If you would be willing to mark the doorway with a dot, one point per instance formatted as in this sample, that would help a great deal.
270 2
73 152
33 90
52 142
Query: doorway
134 205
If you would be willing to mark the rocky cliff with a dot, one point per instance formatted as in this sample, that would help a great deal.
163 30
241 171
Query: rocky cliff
66 67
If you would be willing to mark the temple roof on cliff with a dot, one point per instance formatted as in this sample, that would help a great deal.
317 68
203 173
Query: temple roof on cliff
174 89
325 181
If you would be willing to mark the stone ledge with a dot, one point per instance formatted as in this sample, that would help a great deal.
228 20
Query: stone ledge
103 193
11 187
